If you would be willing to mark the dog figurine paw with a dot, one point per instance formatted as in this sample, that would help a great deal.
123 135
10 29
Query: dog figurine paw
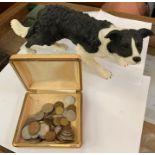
123 63
105 74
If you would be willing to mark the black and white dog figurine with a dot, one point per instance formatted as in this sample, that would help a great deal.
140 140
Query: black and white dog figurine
92 37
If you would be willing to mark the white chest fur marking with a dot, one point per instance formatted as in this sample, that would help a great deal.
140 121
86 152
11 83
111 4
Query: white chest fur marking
135 53
134 49
103 51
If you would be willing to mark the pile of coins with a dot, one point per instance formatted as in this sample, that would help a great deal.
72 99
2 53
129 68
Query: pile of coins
52 123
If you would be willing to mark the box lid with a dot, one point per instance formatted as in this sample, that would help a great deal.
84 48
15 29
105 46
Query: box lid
51 72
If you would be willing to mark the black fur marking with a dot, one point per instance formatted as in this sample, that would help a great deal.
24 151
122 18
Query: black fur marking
120 41
57 22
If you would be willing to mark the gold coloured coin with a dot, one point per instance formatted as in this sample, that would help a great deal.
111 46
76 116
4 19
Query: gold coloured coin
58 103
56 121
50 136
59 110
64 121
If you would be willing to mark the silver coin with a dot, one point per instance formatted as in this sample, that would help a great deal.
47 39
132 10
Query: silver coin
65 113
39 116
25 133
43 130
57 129
60 139
47 108
63 138
49 116
69 100
68 138
29 120
35 136
67 134
70 115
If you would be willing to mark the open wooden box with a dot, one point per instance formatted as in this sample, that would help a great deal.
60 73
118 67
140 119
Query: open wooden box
47 79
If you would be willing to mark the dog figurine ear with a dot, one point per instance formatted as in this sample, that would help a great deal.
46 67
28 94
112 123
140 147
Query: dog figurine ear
145 32
115 34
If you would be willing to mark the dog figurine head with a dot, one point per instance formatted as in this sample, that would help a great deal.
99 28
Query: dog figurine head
127 43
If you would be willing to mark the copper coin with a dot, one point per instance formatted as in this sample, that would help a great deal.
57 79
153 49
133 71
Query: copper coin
34 127
47 108
50 136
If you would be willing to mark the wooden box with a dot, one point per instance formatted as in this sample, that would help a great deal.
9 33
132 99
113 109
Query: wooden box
47 79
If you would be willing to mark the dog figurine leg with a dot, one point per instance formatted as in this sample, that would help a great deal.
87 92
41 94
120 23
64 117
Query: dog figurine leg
122 62
28 50
90 61
31 51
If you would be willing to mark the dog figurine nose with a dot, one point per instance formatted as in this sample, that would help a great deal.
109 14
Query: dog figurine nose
136 59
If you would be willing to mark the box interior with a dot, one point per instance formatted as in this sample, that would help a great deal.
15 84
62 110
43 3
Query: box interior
33 103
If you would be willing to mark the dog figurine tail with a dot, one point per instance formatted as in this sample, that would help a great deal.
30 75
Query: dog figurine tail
18 28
